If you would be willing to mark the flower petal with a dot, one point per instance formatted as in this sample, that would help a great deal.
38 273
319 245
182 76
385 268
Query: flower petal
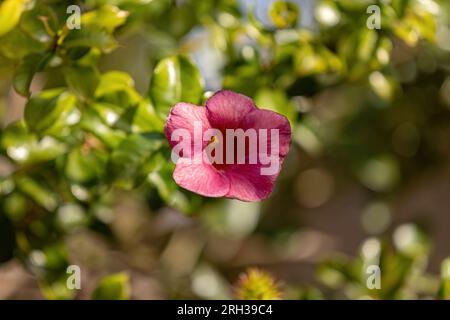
203 179
226 109
184 116
248 184
267 119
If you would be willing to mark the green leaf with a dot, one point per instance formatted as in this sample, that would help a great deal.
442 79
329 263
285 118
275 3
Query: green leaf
26 70
113 287
145 119
114 81
25 147
39 23
92 122
167 189
130 161
17 44
108 17
49 112
84 167
91 37
117 88
83 80
175 79
10 12
109 113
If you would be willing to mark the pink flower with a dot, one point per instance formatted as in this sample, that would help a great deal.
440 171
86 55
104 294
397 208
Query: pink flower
229 110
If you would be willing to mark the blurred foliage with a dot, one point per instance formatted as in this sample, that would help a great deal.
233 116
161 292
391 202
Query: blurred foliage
113 287
88 131
403 262
255 284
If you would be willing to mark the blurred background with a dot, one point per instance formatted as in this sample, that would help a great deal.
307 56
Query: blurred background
366 181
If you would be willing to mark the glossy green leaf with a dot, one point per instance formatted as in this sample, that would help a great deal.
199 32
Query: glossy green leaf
108 17
83 166
49 112
91 37
83 80
130 161
117 88
93 123
175 79
26 70
146 120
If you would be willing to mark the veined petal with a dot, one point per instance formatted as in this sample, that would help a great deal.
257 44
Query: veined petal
203 179
226 109
267 119
185 116
248 184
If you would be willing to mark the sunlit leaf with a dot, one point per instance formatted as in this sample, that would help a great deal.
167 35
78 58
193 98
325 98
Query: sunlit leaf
10 12
92 122
175 79
25 72
49 112
25 147
108 17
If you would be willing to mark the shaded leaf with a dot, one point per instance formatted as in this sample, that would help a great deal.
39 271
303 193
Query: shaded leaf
92 37
83 80
26 70
130 161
